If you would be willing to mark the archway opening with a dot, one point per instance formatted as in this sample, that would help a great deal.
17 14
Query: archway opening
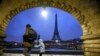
68 26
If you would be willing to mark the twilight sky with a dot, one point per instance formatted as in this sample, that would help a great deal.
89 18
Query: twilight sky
68 26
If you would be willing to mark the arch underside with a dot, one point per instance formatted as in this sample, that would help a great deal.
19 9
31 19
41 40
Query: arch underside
57 4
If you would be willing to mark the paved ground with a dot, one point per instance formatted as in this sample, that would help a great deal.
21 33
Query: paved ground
14 54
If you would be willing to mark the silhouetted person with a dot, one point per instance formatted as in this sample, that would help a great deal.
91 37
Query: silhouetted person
28 39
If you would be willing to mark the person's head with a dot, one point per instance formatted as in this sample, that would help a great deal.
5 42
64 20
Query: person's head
28 25
40 41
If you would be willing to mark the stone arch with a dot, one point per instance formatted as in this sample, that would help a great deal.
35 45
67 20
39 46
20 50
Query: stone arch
52 3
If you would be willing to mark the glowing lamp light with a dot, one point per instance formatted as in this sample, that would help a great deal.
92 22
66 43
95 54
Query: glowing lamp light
15 43
44 13
57 40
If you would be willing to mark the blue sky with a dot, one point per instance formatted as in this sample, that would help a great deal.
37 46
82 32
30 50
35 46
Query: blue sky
68 26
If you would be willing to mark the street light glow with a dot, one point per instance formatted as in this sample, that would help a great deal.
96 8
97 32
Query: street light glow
44 13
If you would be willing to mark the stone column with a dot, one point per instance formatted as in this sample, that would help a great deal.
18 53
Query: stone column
1 47
1 50
91 45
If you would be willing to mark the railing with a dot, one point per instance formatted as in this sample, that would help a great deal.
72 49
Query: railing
51 48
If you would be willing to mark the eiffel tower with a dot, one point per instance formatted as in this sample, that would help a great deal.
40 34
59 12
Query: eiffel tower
56 36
